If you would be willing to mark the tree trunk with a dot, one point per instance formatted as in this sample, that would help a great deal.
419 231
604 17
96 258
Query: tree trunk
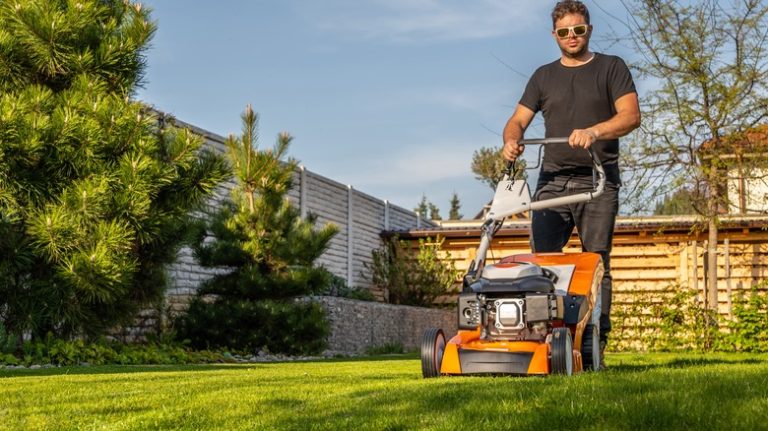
712 265
712 243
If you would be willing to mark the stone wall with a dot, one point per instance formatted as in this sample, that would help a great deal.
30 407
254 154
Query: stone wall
360 325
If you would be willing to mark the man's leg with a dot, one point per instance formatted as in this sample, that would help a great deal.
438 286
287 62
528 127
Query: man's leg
551 228
595 221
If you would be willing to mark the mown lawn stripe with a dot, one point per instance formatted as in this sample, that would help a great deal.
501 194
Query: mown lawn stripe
640 391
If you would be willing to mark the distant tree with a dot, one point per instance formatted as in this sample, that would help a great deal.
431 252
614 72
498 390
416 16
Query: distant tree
268 253
488 165
678 203
709 69
434 212
94 197
427 210
422 209
455 207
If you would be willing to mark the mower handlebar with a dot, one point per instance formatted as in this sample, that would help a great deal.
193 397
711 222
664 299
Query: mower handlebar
539 141
543 141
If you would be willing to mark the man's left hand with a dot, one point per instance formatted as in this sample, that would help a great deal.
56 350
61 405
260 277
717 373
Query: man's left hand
582 138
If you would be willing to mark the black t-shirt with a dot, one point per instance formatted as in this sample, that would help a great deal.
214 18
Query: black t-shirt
576 98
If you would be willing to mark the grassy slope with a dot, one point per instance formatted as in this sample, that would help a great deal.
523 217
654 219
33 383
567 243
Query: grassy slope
661 391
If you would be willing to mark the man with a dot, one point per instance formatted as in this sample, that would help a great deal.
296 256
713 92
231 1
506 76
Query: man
590 98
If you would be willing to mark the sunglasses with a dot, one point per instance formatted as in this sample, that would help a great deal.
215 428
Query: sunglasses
578 31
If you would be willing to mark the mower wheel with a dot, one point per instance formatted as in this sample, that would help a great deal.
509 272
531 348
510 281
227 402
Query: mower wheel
590 348
562 352
432 349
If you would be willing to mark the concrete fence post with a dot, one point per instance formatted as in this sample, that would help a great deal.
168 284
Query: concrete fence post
386 214
350 236
303 191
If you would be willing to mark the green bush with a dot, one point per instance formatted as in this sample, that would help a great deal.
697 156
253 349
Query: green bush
64 353
410 279
386 349
339 288
8 359
8 342
677 322
295 328
748 330
680 322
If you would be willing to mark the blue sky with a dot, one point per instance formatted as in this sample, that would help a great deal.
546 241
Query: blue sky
389 96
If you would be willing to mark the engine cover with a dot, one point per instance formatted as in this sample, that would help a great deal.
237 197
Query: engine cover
520 317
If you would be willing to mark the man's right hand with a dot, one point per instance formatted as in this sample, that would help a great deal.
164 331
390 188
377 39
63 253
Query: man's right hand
514 131
513 149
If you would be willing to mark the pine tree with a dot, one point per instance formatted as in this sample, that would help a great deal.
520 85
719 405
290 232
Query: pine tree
269 252
94 197
427 210
455 207
422 208
434 212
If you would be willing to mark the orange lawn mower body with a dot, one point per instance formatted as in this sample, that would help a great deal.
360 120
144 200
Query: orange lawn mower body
528 314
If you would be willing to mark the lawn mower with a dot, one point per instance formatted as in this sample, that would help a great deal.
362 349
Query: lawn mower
528 314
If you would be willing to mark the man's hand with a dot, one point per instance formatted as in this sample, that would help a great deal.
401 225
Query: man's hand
514 131
582 138
512 149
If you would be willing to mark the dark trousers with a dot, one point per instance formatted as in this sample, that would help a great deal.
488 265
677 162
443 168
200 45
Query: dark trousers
594 220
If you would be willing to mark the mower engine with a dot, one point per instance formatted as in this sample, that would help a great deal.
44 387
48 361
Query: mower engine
515 302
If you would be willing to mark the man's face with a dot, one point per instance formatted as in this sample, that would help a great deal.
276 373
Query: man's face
572 45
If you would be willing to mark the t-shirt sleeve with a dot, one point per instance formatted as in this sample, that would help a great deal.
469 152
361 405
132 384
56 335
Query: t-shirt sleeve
532 95
620 82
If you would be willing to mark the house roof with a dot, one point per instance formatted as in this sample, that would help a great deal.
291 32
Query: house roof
753 140
667 224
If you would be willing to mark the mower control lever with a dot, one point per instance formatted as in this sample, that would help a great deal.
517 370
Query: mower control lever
521 205
513 197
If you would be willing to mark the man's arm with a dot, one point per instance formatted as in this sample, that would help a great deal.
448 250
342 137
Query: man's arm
626 119
514 131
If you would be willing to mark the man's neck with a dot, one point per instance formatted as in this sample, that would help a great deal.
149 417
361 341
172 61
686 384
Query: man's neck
579 60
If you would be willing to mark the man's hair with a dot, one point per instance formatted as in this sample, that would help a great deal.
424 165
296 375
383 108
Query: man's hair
563 8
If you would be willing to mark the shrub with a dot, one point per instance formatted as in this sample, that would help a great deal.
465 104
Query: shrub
386 349
412 280
748 330
76 352
680 322
8 342
285 327
338 287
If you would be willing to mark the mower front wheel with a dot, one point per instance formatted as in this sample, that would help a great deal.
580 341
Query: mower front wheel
562 352
432 349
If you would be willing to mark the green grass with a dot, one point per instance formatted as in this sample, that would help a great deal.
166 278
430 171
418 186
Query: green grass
653 391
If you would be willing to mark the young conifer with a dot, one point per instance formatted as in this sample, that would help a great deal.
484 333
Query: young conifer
268 250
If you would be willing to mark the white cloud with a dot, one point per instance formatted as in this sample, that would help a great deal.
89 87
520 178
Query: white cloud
409 21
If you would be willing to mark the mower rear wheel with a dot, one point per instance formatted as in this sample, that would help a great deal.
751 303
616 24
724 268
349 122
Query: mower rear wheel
432 349
590 348
562 352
